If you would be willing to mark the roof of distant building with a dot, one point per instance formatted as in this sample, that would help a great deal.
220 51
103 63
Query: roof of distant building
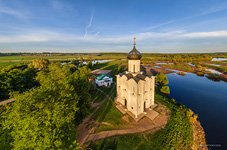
100 77
100 71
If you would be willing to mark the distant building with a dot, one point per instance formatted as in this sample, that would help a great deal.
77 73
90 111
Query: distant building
135 91
104 80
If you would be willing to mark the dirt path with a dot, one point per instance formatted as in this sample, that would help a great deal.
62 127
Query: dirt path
142 126
7 101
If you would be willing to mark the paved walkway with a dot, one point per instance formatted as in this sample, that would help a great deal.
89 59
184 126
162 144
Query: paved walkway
7 101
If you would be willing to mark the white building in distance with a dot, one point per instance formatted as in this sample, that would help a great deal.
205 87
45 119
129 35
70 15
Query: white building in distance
135 91
104 80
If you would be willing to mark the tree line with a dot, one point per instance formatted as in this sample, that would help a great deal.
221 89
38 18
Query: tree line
177 57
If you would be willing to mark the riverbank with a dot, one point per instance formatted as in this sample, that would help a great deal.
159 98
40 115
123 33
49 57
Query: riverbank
181 132
206 98
199 140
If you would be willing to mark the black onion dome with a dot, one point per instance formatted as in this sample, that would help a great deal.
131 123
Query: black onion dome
134 54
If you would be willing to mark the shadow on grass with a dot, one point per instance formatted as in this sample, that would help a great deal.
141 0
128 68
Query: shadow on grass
106 106
106 145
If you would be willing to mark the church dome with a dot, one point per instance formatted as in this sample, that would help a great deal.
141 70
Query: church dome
134 54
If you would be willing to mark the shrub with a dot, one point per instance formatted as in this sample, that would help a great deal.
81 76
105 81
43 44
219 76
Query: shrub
165 90
162 79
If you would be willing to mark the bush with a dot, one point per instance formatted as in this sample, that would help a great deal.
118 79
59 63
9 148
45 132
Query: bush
165 90
40 63
199 73
162 79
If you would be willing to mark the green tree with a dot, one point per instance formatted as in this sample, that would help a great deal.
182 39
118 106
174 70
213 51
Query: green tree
40 63
75 62
89 64
16 78
5 137
165 89
162 79
119 69
44 117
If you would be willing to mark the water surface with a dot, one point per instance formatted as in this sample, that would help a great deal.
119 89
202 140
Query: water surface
206 98
219 59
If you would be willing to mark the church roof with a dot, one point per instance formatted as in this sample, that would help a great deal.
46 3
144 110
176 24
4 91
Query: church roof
134 54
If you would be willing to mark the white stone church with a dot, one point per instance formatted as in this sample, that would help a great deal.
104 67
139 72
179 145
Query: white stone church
135 90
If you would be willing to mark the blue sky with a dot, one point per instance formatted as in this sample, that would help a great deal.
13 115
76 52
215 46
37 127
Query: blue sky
161 26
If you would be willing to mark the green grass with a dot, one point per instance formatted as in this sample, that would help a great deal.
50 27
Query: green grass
10 60
106 105
5 64
218 68
97 96
107 111
176 135
114 118
116 66
31 57
180 66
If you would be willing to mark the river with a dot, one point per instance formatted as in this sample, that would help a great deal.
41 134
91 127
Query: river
206 98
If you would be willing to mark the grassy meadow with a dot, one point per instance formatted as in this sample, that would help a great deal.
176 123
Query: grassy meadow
177 134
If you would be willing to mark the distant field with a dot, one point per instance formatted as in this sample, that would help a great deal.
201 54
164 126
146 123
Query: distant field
10 60
146 57
4 64
28 58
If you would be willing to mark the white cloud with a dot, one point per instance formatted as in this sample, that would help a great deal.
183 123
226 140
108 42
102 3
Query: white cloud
211 34
45 36
169 41
12 12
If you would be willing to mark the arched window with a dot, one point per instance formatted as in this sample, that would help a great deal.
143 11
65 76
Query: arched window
134 68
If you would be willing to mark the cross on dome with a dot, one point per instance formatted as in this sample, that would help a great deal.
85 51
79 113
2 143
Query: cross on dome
134 40
134 54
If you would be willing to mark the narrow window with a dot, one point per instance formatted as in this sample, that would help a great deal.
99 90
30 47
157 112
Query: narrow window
134 68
